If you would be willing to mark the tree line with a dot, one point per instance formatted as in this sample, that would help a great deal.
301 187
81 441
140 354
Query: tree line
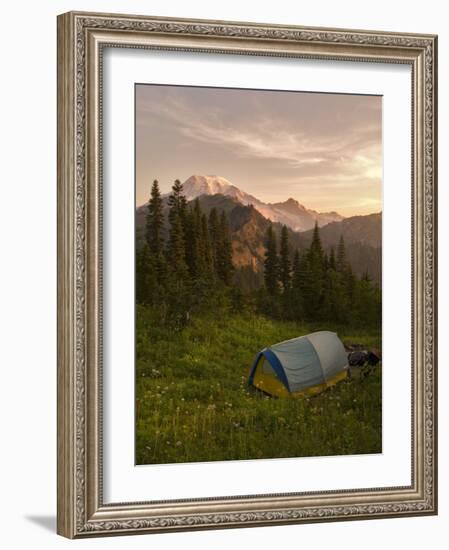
313 286
185 266
177 272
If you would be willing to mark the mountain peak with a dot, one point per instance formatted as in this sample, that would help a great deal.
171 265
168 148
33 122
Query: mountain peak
290 212
196 186
293 202
205 185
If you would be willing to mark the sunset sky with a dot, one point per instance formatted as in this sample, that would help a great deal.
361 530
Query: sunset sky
324 150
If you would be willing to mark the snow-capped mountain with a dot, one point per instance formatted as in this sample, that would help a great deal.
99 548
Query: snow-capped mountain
195 186
290 213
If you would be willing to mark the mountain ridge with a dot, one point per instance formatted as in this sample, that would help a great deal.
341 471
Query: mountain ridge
248 232
290 212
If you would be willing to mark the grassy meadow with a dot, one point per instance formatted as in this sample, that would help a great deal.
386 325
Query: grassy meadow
193 403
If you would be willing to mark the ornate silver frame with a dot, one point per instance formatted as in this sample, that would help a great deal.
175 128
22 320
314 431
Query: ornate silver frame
81 38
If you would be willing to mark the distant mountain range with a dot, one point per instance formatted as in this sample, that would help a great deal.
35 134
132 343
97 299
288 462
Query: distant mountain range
290 213
249 219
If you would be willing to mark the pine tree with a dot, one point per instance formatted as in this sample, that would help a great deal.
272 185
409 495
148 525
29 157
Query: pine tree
177 202
271 264
296 278
368 304
284 260
315 292
153 232
332 264
207 250
154 221
348 279
334 306
176 248
199 243
214 235
191 244
350 286
296 298
316 250
305 284
341 262
146 277
176 242
225 251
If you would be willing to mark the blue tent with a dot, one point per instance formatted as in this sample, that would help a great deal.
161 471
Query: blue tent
301 366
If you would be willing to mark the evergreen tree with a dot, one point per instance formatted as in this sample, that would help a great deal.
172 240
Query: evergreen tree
146 277
154 230
315 291
176 248
368 303
350 286
224 252
200 252
332 264
191 244
207 250
348 279
334 306
296 278
155 221
177 202
271 264
214 234
341 262
284 260
305 284
331 288
295 295
316 250
176 242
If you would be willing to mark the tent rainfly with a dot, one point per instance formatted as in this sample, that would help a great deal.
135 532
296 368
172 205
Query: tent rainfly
299 367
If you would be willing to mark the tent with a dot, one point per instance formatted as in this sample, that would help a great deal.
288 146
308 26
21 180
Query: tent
302 366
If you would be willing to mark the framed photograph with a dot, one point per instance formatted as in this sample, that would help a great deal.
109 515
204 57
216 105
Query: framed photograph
246 274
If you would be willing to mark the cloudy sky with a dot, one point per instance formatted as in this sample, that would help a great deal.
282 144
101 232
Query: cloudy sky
324 150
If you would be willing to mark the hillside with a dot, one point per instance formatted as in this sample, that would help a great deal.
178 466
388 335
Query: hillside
366 230
248 226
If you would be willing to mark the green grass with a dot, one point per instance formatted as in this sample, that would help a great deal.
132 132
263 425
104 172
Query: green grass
193 402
